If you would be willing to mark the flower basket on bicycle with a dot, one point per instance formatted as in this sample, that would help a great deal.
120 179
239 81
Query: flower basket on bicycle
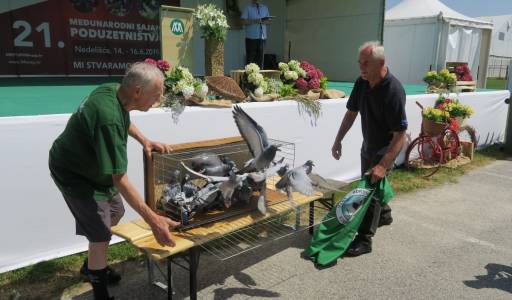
432 128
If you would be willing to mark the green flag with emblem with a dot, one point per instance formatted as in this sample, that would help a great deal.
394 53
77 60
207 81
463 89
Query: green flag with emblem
337 230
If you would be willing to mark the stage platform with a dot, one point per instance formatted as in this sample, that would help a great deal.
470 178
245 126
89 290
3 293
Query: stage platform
45 95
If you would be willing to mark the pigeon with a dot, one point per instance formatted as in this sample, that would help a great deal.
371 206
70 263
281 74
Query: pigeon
228 185
297 179
257 141
212 164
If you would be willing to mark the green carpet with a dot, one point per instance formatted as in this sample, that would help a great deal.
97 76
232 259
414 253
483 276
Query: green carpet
410 89
43 96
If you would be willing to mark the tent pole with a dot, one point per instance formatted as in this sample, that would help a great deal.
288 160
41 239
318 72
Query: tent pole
508 132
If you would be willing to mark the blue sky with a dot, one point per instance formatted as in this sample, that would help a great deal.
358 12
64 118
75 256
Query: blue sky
472 8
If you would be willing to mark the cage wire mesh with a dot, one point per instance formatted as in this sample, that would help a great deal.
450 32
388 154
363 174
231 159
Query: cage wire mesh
168 168
270 230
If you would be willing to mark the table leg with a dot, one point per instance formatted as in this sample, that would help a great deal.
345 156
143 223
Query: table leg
311 216
297 218
193 264
151 271
169 278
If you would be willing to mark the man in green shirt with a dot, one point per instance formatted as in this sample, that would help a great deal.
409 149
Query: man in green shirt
88 163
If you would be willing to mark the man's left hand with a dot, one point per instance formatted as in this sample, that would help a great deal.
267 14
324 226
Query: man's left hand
149 146
377 173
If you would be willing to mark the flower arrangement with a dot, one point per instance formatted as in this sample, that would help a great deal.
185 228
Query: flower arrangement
303 76
435 114
444 77
453 107
463 73
314 78
254 80
180 85
212 22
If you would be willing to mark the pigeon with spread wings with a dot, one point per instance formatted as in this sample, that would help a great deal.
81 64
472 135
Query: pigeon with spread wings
257 141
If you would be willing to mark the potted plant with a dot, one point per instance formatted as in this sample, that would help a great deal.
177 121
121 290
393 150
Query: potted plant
458 112
434 120
442 81
214 28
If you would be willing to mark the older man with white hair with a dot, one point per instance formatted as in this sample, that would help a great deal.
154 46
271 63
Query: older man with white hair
88 163
380 99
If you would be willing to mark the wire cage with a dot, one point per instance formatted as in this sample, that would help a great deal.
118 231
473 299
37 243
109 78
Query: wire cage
165 175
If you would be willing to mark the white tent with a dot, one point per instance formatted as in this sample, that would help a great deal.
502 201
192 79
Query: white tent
422 35
501 45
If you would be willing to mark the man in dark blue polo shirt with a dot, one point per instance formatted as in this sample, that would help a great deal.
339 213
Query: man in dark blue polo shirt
380 99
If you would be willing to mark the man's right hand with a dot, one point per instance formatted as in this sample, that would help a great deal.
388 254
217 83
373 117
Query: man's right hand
336 150
160 227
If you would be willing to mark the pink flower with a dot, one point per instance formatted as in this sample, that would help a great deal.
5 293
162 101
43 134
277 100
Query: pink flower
314 83
312 74
320 73
150 61
301 84
163 65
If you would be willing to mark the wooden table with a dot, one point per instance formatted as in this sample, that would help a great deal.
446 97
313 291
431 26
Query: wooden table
139 234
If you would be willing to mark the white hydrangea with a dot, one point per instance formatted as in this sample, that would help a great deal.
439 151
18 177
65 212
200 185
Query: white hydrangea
188 91
264 86
202 90
291 75
179 86
301 72
252 68
255 78
294 65
187 76
283 67
258 92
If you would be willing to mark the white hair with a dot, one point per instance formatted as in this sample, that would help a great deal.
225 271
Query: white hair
376 48
142 74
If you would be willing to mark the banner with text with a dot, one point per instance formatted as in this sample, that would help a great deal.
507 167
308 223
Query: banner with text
78 37
177 26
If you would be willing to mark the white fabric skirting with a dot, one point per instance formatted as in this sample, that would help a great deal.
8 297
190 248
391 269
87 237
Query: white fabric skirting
37 225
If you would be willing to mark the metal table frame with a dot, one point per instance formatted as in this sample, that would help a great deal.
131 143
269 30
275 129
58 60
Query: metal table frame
192 255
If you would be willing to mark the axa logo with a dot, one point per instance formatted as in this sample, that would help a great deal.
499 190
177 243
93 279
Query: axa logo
177 27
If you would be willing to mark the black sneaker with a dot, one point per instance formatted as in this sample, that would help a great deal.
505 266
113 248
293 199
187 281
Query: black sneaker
112 276
358 248
385 221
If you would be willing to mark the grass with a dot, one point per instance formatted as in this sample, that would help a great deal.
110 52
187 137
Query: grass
50 278
496 84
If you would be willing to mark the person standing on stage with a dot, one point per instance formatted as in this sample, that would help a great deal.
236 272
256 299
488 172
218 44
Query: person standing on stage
255 18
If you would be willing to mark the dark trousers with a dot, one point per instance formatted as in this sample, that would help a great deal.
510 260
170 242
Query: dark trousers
375 211
254 51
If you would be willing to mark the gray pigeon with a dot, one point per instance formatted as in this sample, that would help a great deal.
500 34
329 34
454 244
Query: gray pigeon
257 141
297 179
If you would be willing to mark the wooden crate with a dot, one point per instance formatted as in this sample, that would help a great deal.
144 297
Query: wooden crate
464 86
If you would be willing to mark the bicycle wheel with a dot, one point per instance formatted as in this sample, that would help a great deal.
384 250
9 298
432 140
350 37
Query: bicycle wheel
424 153
468 134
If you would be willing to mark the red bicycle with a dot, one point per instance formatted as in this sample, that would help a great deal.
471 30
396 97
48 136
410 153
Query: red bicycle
437 144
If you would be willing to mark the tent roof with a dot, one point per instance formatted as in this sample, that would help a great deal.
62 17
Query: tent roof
417 9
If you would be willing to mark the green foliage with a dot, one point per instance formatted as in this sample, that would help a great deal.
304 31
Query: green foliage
323 83
288 90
